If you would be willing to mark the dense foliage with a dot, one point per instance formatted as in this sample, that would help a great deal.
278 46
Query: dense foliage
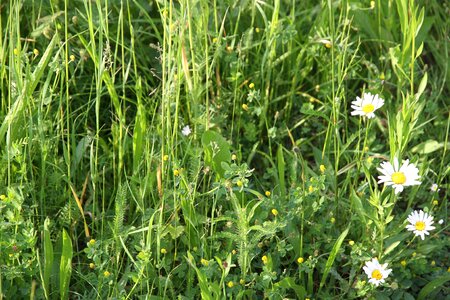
207 149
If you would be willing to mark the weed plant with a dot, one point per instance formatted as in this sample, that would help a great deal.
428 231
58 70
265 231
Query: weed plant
214 149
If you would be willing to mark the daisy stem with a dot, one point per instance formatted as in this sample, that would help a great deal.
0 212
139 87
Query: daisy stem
358 161
365 139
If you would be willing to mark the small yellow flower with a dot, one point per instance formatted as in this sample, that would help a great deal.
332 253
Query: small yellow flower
245 107
372 4
92 242
230 284
300 260
264 259
311 99
16 51
214 40
267 193
233 157
233 252
317 88
403 263
166 157
328 45
242 281
332 220
72 57
414 254
239 183
251 85
2 197
274 212
435 202
257 29
351 243
433 263
322 168
176 172
382 77
307 299
36 52
448 269
163 251
106 274
311 189
229 49
92 266
204 262
366 149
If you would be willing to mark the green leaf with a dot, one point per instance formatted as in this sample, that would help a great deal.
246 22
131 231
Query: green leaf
427 147
289 283
432 285
331 258
217 150
65 267
281 172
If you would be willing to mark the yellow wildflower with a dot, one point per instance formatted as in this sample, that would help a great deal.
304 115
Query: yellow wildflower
300 260
264 259
204 262
275 212
322 168
267 193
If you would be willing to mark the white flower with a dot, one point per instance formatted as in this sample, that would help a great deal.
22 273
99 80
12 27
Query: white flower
377 273
434 187
406 175
420 223
367 105
186 130
441 222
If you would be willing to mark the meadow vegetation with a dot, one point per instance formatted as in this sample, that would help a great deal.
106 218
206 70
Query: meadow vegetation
224 149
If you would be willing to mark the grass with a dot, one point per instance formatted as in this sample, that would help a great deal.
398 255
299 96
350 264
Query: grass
273 194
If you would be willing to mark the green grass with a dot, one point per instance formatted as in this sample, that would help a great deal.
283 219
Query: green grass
274 194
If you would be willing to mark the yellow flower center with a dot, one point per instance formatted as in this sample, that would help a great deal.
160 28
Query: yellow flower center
398 178
376 274
420 225
368 108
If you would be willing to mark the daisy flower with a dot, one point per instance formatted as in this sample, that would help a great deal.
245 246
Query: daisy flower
397 176
376 272
420 223
186 130
366 105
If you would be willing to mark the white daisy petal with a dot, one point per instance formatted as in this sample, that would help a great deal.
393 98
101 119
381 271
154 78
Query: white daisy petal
420 223
376 272
367 105
398 176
